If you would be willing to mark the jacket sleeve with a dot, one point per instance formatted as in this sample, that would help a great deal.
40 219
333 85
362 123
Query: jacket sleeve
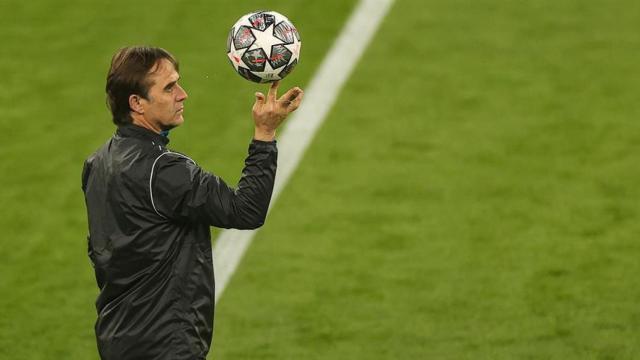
182 191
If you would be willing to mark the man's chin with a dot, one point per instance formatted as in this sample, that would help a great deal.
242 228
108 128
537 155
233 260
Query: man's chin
177 122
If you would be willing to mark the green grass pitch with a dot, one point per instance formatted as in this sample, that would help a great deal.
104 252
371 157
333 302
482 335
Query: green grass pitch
472 195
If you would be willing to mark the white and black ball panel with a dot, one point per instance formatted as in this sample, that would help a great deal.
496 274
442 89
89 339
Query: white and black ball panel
263 46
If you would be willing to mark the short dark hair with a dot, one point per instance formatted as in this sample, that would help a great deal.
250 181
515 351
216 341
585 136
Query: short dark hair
128 75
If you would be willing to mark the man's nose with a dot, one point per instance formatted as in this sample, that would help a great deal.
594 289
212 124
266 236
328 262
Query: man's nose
182 95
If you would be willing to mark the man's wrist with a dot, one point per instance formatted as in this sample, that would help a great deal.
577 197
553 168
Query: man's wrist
264 135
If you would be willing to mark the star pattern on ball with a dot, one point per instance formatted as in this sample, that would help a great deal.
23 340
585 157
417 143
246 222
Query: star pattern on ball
268 73
263 56
265 37
295 49
235 55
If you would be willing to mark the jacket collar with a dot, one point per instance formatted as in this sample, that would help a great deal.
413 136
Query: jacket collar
139 132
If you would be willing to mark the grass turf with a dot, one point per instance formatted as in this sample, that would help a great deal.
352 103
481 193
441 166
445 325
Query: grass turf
471 196
55 60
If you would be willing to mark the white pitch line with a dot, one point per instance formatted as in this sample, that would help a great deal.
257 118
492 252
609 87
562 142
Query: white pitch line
319 98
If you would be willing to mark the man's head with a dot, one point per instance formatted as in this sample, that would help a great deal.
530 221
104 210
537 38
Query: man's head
142 88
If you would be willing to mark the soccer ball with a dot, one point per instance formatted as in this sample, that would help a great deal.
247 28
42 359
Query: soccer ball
263 46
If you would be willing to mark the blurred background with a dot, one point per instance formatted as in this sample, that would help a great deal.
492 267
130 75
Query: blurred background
473 194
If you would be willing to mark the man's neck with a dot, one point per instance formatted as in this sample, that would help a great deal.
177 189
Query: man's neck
142 122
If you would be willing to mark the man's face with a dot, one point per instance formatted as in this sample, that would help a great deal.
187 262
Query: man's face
165 104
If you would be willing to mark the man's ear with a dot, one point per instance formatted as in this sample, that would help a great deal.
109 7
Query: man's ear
135 104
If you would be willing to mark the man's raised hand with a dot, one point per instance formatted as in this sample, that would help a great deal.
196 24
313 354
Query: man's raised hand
269 112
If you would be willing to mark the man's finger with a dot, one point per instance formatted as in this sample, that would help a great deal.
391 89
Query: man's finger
273 91
290 96
259 98
296 102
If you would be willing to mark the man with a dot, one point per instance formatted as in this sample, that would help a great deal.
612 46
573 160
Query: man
150 210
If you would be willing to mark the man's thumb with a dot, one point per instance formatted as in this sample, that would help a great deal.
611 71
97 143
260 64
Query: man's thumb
259 98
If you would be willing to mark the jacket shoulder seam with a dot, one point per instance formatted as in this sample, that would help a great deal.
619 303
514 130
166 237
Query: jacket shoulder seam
168 152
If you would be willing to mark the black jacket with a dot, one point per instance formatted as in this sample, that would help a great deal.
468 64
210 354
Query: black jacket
149 213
